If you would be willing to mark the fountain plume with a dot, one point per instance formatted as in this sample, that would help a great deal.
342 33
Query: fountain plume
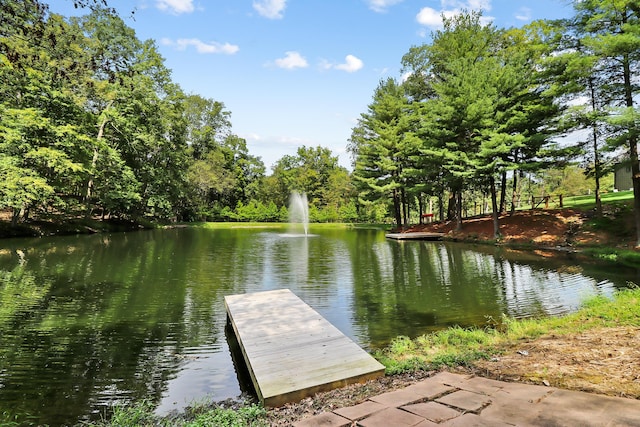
299 210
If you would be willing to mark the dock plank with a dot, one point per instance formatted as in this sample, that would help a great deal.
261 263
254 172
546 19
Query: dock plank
291 351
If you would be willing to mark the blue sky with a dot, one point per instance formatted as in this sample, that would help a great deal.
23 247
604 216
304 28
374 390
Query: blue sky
298 72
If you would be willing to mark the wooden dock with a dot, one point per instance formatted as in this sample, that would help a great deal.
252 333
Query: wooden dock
418 235
291 351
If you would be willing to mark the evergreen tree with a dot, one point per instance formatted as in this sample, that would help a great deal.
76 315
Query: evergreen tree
609 31
380 145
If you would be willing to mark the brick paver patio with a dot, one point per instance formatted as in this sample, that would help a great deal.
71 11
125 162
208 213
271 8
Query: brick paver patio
448 399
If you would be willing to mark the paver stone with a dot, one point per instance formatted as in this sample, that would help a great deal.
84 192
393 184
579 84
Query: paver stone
450 378
430 388
391 417
481 385
361 410
473 420
467 400
325 419
433 411
397 398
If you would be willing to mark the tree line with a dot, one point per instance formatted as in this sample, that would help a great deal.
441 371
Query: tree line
91 124
482 107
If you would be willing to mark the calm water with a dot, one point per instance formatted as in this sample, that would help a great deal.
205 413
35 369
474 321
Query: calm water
86 321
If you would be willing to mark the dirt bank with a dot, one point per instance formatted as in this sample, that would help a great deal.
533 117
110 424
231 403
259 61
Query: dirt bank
546 228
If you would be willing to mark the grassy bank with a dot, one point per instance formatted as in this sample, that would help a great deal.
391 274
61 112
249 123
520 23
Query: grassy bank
447 348
456 346
589 201
285 225
200 414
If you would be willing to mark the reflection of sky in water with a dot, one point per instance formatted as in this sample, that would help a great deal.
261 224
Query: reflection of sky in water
201 374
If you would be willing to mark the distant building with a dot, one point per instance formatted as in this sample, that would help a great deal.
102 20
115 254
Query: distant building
622 177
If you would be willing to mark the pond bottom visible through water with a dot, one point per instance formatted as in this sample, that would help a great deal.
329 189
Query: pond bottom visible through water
88 321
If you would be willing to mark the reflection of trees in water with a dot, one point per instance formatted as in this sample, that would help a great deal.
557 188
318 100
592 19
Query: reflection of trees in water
97 340
409 288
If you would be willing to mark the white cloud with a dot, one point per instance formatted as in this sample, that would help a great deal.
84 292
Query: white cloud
175 6
466 4
292 141
429 17
252 137
524 14
432 18
351 64
271 9
202 47
291 60
381 5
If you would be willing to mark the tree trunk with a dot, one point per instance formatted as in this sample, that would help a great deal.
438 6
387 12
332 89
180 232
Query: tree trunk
396 209
596 151
458 210
94 162
503 192
514 193
15 216
405 207
451 205
494 205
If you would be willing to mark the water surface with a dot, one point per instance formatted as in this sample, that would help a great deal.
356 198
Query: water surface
86 321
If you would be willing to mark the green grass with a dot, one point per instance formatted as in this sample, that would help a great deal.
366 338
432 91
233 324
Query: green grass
460 347
246 416
589 201
230 225
626 257
199 414
285 226
140 414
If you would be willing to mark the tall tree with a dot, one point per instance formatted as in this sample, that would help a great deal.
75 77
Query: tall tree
308 171
461 65
137 113
609 30
483 107
42 124
379 147
208 124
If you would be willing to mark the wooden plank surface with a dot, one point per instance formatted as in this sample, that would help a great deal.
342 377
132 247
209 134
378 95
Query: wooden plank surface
291 351
415 236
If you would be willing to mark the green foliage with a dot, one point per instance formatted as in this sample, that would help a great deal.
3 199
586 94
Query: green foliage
382 144
245 416
450 347
89 113
137 415
201 414
618 256
21 187
92 122
473 108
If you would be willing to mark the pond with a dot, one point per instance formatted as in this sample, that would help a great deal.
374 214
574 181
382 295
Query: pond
88 321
